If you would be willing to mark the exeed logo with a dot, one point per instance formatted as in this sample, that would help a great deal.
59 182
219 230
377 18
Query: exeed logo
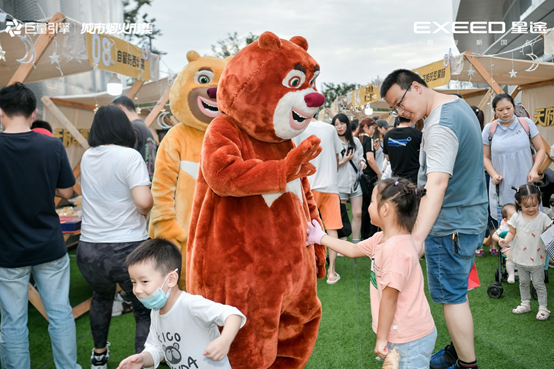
460 27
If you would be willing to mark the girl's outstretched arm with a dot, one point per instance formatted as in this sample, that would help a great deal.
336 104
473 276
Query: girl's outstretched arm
316 235
510 236
387 307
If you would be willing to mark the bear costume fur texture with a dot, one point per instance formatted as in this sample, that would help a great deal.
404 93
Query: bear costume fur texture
252 203
193 102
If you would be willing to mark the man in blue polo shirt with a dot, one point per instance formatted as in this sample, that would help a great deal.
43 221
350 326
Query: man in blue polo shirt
33 168
453 214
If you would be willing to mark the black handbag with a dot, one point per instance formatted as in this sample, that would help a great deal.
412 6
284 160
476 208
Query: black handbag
367 183
346 229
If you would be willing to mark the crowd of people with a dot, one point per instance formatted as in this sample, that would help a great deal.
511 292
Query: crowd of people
410 192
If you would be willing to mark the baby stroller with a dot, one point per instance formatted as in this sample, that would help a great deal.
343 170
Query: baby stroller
495 290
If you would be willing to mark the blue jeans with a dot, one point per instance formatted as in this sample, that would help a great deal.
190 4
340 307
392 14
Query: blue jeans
415 354
449 261
52 280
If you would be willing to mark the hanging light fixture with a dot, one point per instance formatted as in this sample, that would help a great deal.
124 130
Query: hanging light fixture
114 86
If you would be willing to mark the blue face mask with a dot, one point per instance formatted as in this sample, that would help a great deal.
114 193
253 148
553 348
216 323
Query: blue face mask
157 299
506 121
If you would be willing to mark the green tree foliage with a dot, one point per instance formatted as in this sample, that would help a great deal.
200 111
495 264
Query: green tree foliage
232 44
131 15
331 91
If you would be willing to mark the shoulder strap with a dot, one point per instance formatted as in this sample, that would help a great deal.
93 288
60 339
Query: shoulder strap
525 126
492 129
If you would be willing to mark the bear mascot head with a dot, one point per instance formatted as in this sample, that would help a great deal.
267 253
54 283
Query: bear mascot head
247 241
193 94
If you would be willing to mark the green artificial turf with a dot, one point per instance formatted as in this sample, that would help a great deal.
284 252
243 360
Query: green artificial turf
346 340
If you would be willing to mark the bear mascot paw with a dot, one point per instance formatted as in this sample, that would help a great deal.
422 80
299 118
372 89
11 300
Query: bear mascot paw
247 239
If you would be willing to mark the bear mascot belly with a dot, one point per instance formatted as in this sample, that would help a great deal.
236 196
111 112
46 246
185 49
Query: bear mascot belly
193 102
252 203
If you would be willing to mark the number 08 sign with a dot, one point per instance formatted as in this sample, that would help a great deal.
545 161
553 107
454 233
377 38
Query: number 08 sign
118 56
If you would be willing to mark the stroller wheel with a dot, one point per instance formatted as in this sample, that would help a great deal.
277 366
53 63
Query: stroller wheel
495 291
497 275
534 293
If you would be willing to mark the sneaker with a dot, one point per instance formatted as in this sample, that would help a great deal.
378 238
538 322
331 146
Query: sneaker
100 361
444 359
494 253
121 305
480 253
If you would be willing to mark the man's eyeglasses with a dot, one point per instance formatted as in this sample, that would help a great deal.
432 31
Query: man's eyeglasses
394 111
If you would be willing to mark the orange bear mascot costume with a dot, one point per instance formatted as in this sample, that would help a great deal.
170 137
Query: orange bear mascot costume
193 102
252 203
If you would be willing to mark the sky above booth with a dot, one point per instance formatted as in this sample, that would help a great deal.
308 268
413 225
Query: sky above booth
353 40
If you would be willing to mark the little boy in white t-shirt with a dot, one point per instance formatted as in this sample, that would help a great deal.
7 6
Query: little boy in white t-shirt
183 327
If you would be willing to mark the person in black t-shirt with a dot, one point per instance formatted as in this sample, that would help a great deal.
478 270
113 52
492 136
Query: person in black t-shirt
33 168
371 173
145 142
401 147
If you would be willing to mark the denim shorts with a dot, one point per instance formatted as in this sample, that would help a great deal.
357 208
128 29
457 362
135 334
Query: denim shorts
415 354
449 261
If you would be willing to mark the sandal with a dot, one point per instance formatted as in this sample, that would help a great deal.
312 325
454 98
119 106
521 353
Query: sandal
543 314
522 309
334 280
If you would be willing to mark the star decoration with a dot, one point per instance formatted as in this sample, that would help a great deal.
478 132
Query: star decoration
139 110
2 54
471 71
94 66
54 58
512 73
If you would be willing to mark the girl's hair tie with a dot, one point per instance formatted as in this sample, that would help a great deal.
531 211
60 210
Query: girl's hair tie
415 191
396 183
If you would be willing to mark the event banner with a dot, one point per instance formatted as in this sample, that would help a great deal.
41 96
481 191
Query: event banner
118 56
365 95
435 74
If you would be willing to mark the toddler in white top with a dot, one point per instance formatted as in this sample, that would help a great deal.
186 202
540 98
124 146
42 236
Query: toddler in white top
183 327
507 211
528 251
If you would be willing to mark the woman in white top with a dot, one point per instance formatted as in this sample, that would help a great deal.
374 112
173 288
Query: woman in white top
350 164
116 199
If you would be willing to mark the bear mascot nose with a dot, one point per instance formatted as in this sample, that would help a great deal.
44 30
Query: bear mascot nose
212 92
314 100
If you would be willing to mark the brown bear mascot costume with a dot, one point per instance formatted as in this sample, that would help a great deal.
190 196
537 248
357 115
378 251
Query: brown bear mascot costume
247 241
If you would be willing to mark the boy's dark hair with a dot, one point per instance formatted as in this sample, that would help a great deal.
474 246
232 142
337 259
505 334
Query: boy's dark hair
405 196
403 78
42 124
525 194
164 256
506 208
17 100
111 126
124 101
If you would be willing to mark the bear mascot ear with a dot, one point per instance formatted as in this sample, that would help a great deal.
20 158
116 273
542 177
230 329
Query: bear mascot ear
300 41
192 56
269 41
227 59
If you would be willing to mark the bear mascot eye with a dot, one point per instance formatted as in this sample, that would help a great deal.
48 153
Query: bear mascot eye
312 82
203 77
294 79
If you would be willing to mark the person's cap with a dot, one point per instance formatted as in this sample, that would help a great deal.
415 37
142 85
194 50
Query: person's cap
383 123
